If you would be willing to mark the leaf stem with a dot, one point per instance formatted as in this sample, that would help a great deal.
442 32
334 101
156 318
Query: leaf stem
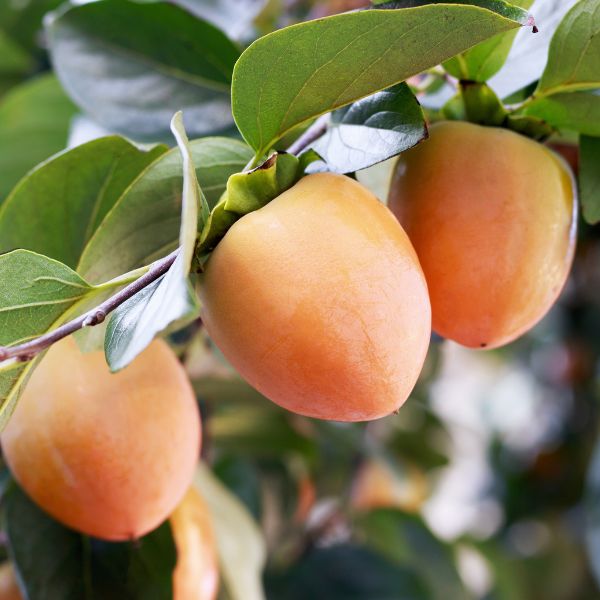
10 355
123 279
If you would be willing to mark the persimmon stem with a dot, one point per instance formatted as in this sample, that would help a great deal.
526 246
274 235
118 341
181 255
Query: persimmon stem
28 350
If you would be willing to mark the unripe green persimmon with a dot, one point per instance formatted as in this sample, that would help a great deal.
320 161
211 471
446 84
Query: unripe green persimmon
319 302
492 215
108 455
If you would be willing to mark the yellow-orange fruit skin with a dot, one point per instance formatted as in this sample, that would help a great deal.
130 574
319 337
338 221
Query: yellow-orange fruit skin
492 216
108 455
196 575
319 302
9 589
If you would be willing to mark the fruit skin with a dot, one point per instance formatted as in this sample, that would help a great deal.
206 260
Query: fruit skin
319 302
9 589
108 455
196 575
492 216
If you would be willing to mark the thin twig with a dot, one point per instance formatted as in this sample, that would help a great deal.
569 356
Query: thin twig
314 132
28 350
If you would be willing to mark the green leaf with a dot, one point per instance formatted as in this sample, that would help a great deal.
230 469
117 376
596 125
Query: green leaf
371 131
510 10
144 224
347 572
484 60
169 59
249 191
34 124
50 560
405 539
575 111
36 293
574 55
138 569
171 299
13 59
306 70
589 178
240 543
58 206
481 104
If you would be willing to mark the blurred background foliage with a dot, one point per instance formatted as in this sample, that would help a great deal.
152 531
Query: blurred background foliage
486 485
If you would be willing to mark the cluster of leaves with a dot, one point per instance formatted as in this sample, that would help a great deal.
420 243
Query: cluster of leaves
87 221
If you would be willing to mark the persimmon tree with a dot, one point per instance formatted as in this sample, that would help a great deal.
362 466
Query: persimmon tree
208 172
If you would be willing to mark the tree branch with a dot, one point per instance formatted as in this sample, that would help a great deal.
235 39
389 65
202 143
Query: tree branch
314 132
28 350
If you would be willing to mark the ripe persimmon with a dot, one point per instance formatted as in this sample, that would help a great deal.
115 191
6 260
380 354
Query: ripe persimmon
108 455
492 215
319 302
196 575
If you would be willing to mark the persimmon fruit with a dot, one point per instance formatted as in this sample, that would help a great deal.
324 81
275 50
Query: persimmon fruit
319 302
196 575
492 215
110 455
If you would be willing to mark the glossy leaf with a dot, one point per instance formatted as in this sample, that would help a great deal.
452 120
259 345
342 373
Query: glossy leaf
575 111
371 131
171 299
140 568
240 544
305 70
169 59
34 125
51 560
232 16
144 224
346 572
589 178
510 10
405 539
58 206
574 53
249 191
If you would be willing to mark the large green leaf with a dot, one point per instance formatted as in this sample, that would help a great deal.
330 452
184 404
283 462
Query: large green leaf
575 111
589 178
34 125
169 59
371 131
13 59
171 299
144 225
51 560
347 572
36 293
305 70
58 206
574 55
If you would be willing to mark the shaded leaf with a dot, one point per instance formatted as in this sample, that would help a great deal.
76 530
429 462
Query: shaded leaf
305 70
371 131
589 178
34 125
406 539
51 560
347 572
58 206
574 53
170 61
240 544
